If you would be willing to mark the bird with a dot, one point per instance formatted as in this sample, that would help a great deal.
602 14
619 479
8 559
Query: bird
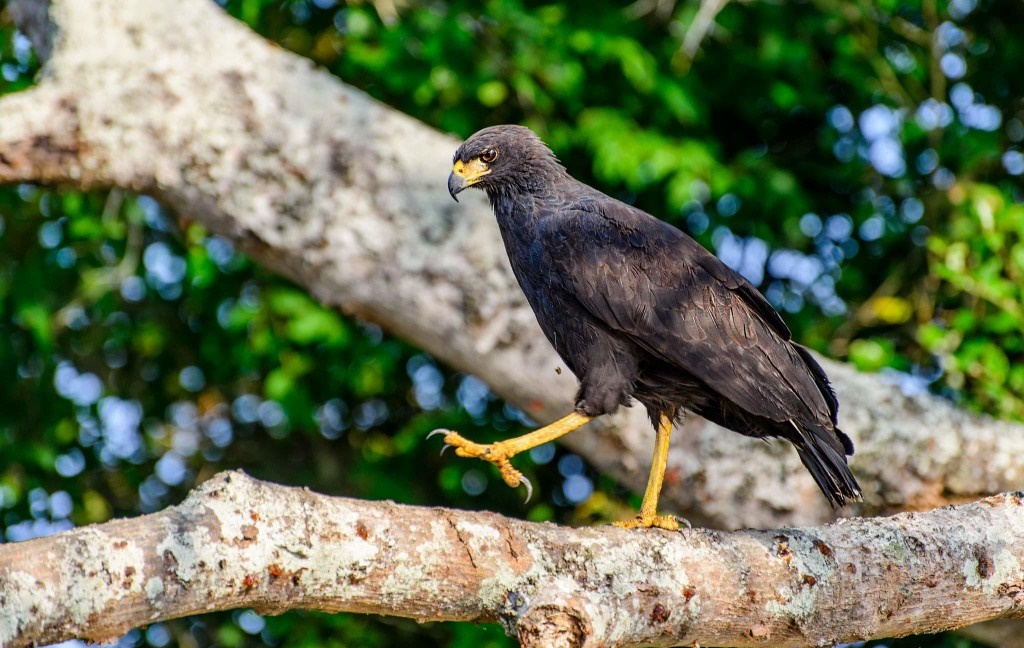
639 311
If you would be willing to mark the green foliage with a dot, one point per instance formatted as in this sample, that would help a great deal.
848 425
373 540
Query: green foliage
860 161
978 328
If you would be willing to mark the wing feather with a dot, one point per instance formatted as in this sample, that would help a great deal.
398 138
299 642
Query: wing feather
650 282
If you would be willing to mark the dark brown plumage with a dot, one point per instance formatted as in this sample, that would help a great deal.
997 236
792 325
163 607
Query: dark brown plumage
639 310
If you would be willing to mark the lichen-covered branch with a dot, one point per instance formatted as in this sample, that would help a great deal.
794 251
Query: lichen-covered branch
239 542
347 197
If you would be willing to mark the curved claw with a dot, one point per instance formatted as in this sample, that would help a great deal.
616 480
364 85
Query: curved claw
438 431
529 488
443 448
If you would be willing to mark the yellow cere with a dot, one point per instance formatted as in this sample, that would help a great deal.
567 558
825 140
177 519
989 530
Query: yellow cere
470 171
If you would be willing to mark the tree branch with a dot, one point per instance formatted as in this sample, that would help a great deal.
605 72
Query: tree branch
347 197
240 542
38 138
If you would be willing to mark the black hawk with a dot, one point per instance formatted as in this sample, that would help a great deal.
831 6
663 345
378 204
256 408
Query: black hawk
639 310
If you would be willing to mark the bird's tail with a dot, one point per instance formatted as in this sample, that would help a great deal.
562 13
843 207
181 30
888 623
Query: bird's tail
824 455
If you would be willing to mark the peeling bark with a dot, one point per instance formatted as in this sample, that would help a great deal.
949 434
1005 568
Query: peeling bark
240 542
347 197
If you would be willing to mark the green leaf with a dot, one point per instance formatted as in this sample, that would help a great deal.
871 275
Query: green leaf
35 318
871 354
492 93
278 384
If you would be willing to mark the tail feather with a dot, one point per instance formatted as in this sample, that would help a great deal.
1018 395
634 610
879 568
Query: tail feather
827 464
824 386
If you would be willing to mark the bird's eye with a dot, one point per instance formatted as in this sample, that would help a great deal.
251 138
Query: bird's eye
490 155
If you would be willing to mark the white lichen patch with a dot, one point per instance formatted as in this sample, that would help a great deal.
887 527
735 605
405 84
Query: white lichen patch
341 564
896 548
182 552
154 588
108 568
992 570
486 546
794 605
23 595
323 545
412 576
618 564
812 570
406 581
494 589
810 558
675 576
660 573
343 561
439 543
479 538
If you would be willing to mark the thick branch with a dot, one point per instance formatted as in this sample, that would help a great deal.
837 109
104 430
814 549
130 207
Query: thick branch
347 197
38 137
239 542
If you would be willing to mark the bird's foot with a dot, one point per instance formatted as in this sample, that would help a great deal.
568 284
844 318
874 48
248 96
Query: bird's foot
498 453
667 522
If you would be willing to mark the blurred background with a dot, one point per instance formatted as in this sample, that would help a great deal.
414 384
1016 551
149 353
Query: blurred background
860 161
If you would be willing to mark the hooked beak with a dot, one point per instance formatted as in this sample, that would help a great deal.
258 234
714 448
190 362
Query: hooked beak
456 183
466 174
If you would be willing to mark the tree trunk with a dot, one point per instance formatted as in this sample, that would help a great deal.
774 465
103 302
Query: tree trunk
239 542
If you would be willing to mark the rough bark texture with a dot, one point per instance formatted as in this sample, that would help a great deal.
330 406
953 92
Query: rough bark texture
237 541
347 197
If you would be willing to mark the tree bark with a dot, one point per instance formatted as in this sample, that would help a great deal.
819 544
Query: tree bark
240 542
347 197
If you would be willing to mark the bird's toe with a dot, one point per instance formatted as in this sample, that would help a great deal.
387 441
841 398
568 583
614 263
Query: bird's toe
667 522
497 453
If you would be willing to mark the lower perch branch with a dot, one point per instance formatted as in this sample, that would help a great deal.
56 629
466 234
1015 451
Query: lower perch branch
240 542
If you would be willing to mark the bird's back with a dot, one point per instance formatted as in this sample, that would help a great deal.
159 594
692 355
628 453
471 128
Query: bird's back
700 335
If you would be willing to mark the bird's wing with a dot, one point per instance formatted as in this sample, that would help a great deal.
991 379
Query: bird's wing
650 282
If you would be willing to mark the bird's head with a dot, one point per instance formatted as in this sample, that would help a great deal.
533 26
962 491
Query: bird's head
498 157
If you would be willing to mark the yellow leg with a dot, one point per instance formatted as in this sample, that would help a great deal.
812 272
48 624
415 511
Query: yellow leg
648 516
499 452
